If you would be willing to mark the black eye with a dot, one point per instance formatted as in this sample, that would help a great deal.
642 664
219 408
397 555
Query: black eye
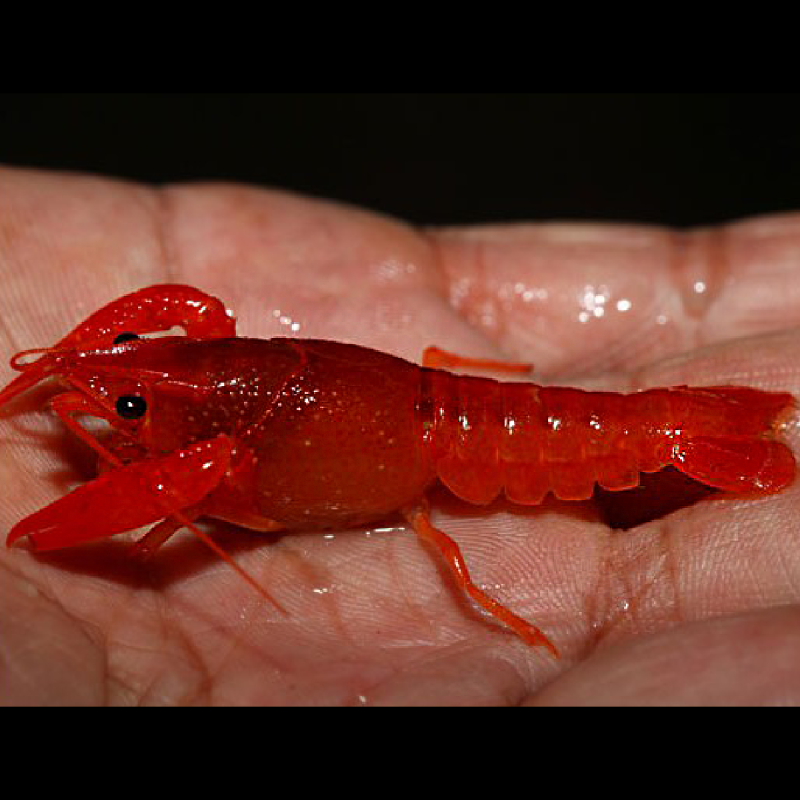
131 406
125 337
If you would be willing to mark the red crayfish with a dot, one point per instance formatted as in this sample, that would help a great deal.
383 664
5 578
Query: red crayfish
306 434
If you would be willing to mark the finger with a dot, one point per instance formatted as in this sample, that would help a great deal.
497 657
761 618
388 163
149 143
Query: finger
745 660
583 297
69 245
294 266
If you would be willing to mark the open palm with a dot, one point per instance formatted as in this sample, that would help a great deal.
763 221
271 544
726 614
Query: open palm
698 606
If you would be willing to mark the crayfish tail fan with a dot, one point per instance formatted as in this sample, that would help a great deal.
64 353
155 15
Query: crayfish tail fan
737 464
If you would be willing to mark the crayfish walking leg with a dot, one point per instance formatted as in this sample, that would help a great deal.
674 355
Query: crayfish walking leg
420 521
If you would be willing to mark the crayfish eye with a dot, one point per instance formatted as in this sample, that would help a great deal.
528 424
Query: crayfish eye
131 406
125 337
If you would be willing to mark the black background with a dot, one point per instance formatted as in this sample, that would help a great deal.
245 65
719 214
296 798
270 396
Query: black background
677 159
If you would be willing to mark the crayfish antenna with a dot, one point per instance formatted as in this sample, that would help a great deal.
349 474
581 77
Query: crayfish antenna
215 548
32 373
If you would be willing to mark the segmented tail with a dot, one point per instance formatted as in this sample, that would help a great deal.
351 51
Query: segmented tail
527 440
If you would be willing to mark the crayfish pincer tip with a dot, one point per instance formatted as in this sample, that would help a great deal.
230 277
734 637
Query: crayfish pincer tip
19 538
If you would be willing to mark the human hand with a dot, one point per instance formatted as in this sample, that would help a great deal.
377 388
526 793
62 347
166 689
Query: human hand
697 607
